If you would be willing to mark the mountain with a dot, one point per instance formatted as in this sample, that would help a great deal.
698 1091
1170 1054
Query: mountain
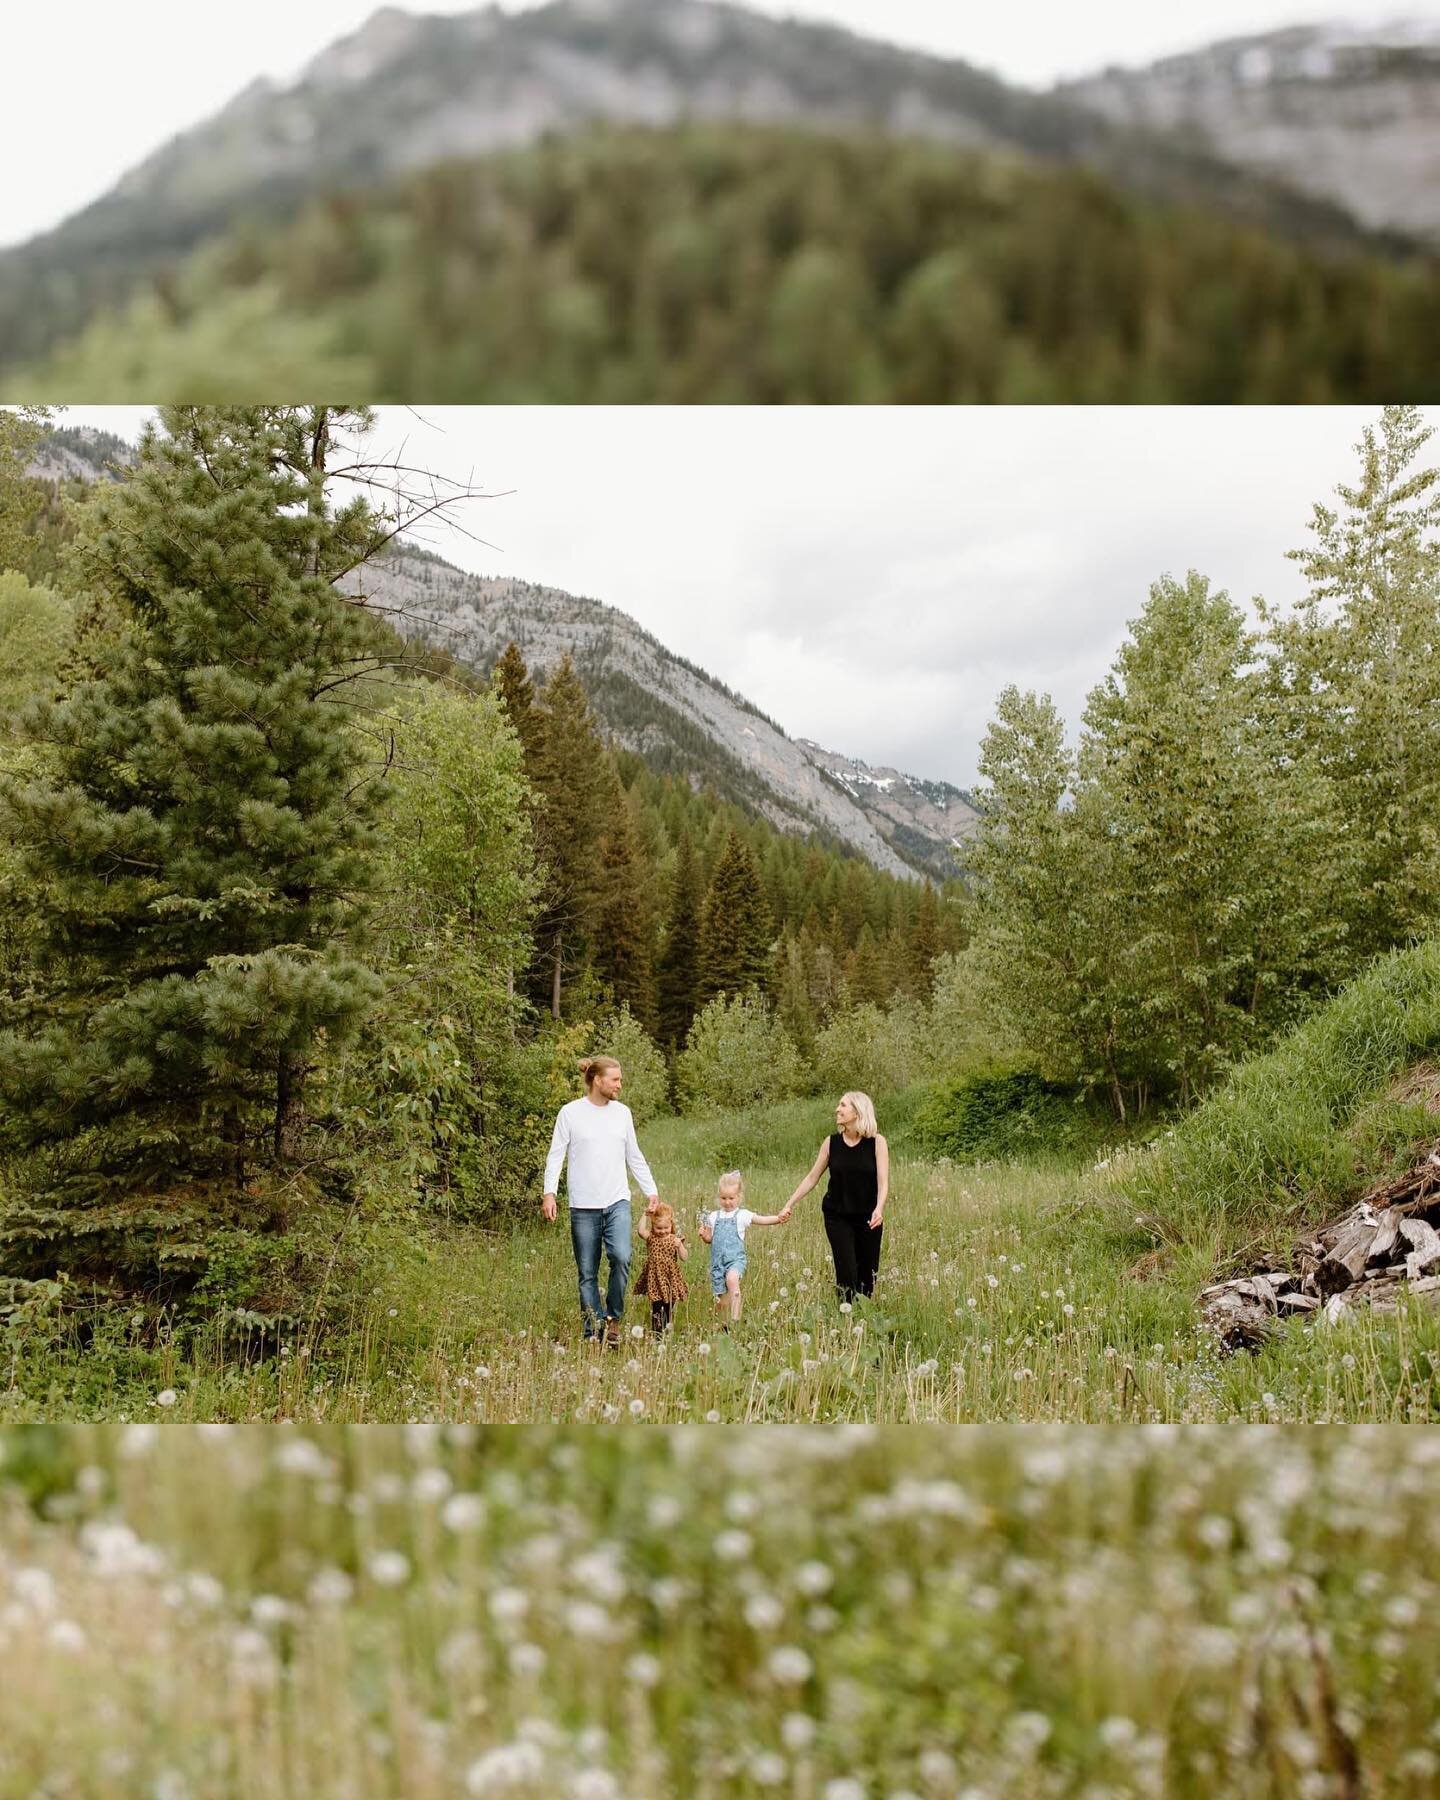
79 453
650 700
407 92
1346 115
674 714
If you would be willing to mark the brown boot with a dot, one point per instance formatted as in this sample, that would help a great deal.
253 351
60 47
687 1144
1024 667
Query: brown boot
613 1334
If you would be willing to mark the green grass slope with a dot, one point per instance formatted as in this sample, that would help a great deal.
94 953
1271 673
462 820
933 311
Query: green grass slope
1294 1137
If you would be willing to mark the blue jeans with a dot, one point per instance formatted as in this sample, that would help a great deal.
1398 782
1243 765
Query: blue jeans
590 1227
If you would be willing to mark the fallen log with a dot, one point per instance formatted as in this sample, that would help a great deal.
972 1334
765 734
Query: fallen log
1382 1247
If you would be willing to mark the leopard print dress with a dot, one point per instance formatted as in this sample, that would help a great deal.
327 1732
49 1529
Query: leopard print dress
661 1279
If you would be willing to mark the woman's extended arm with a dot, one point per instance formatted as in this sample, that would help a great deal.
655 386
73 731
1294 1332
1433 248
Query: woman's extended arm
882 1181
817 1169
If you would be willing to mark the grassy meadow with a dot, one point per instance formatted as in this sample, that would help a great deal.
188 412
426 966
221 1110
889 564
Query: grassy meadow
853 1614
1007 1292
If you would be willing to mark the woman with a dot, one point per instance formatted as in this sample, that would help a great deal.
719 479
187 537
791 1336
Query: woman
853 1209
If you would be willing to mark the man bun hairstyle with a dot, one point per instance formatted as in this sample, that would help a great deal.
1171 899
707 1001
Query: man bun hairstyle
591 1066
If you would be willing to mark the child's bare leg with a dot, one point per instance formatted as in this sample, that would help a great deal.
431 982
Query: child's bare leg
732 1288
722 1309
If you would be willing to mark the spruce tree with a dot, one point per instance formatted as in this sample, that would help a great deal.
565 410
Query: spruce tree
735 925
625 925
571 769
196 835
511 680
925 942
679 965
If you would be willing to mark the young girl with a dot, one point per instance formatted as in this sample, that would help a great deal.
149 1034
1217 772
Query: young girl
660 1279
724 1230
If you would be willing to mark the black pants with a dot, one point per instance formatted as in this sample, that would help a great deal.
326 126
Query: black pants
856 1249
660 1311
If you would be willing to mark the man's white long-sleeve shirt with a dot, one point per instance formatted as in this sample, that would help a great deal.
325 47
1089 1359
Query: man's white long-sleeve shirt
601 1144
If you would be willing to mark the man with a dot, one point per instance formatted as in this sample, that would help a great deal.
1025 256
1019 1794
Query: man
597 1133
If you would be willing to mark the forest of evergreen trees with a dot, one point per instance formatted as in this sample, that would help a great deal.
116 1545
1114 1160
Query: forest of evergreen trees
764 266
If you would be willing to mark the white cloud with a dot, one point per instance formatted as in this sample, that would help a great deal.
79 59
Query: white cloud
872 577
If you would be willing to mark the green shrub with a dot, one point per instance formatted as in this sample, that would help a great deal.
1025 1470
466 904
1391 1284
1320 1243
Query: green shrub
737 1054
647 1080
1004 1113
872 1049
1295 1136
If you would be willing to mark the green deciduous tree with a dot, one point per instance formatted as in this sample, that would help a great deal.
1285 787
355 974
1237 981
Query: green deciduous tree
737 1054
431 1082
21 428
1221 841
1357 667
35 630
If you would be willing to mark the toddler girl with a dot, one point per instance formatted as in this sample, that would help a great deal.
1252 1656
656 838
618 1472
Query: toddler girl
661 1280
723 1229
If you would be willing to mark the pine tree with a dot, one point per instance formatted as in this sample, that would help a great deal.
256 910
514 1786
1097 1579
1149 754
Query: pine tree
679 965
735 925
197 838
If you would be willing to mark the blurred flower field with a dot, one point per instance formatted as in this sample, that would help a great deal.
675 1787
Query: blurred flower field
852 1613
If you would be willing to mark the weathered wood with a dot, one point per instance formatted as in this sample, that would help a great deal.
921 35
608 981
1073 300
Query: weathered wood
1386 1232
1425 1246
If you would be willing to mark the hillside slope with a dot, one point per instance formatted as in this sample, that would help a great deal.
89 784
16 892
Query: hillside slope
1351 116
675 715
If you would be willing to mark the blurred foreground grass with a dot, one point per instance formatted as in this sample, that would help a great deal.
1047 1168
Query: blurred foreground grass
852 1614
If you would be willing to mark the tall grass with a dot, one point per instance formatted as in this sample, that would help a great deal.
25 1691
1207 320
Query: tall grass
1298 1133
1006 1293
851 1615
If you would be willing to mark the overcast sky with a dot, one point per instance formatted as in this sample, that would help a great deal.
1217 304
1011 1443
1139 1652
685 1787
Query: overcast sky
872 577
92 89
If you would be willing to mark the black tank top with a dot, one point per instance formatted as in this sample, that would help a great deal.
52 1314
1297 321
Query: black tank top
854 1185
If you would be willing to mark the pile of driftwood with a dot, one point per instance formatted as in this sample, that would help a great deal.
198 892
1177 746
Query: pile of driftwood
1387 1243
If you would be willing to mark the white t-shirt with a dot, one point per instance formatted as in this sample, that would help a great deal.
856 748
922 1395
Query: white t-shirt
601 1144
742 1216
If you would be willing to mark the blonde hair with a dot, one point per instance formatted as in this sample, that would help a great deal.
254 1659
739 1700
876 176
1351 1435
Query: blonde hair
731 1178
663 1218
591 1066
864 1113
